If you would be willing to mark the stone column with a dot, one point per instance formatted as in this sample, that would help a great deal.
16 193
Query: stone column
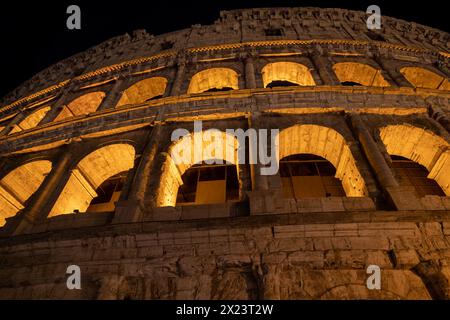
113 96
396 77
386 73
439 116
36 208
375 157
259 182
324 67
179 78
15 121
57 106
132 209
266 195
402 197
250 80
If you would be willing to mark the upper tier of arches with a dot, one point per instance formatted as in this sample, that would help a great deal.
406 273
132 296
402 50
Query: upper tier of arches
158 84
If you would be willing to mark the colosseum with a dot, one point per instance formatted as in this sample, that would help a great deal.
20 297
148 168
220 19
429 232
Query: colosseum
87 176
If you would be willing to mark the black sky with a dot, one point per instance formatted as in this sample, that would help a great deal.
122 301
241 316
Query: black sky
34 35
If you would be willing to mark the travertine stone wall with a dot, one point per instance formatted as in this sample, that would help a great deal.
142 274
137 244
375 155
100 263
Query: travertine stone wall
282 257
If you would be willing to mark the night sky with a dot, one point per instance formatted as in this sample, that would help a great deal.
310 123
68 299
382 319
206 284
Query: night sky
34 35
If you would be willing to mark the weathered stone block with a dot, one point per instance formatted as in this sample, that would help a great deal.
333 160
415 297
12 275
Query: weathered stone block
406 258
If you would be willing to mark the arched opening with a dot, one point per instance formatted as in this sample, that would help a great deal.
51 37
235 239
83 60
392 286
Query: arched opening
411 174
354 73
214 79
419 146
200 168
31 121
95 184
206 184
307 175
144 90
282 74
85 104
328 144
18 185
423 78
108 193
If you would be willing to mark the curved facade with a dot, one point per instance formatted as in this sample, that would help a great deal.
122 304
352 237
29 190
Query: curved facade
88 177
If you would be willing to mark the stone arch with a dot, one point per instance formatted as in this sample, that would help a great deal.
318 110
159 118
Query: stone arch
143 90
19 184
328 144
421 146
359 73
424 78
351 284
89 174
213 78
187 152
287 71
32 120
82 105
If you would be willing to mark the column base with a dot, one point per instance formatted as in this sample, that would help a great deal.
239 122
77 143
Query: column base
404 198
268 202
128 211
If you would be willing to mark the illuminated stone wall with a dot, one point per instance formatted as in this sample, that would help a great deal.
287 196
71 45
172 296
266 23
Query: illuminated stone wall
113 108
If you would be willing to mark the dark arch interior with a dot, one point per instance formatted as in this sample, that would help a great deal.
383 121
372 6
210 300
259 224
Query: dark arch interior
351 83
209 183
155 98
411 174
281 83
109 191
307 175
219 89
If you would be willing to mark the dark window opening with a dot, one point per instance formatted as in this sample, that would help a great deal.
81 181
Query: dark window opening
351 84
411 174
281 83
155 98
375 36
106 190
219 89
166 45
308 175
204 184
273 32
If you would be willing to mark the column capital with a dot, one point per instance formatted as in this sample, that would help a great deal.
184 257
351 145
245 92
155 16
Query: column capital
248 55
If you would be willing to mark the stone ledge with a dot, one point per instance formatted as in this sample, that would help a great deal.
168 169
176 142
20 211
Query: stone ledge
367 220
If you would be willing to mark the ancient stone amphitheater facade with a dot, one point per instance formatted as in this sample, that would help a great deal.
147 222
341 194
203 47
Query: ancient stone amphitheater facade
87 179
